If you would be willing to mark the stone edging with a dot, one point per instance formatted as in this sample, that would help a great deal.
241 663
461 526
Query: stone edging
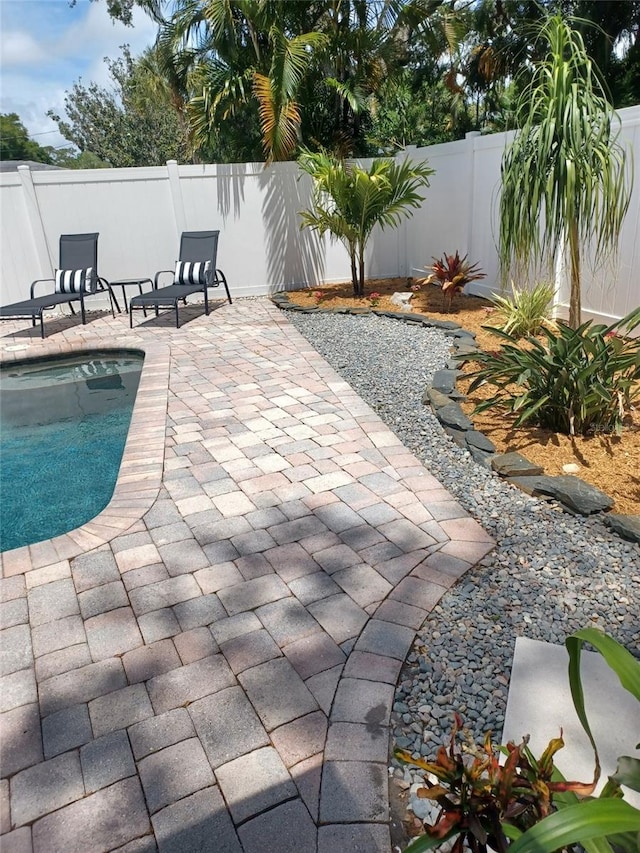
573 494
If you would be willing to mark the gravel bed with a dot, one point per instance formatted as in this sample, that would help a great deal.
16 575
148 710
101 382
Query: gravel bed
550 574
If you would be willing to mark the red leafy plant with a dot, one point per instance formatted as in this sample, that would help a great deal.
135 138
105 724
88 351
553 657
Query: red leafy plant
479 799
320 296
452 273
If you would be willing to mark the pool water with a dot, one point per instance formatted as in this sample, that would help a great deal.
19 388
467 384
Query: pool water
63 428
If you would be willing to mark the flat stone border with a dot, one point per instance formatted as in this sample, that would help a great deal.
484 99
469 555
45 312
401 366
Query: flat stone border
140 474
572 493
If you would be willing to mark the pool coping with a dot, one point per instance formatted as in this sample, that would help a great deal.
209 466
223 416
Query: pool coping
141 467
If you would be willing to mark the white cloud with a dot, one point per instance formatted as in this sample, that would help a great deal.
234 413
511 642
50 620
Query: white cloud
19 48
96 35
47 46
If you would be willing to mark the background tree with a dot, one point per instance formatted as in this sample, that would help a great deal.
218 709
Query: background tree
563 177
258 79
133 124
349 201
15 143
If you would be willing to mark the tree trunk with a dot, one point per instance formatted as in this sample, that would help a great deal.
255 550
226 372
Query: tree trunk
354 271
361 271
575 307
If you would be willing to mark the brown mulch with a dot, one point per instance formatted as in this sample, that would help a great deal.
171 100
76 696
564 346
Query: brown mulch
608 462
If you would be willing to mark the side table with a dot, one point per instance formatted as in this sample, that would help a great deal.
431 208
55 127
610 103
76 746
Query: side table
129 282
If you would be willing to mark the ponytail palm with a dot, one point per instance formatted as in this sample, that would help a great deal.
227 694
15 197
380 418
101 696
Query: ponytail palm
349 201
563 177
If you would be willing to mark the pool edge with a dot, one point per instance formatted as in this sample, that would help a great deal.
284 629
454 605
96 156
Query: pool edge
141 467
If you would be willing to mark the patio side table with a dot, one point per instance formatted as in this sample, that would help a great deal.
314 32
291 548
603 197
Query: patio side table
131 282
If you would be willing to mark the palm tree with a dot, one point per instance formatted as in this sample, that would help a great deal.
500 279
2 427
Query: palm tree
238 52
564 176
349 200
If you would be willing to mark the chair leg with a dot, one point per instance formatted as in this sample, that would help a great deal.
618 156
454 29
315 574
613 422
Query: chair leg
41 324
206 303
177 318
226 286
130 316
73 310
112 299
84 319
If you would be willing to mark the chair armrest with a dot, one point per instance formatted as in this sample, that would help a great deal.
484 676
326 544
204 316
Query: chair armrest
157 277
39 281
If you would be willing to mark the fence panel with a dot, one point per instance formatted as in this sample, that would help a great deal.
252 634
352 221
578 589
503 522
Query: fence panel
140 214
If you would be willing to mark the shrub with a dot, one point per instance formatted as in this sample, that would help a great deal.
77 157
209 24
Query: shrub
525 311
452 273
582 381
525 805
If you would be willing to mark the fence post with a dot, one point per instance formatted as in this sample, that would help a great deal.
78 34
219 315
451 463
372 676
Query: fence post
34 218
471 165
176 196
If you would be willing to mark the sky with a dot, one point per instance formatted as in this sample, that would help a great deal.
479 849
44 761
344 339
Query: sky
47 45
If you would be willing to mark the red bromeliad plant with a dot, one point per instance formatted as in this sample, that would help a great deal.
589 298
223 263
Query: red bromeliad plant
480 799
452 273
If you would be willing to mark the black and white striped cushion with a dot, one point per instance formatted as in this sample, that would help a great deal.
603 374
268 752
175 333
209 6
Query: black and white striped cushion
192 272
74 281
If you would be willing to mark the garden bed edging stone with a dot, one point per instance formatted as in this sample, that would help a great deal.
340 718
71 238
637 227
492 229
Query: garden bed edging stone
573 494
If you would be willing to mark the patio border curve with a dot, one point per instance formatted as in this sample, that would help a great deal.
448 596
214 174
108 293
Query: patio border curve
140 475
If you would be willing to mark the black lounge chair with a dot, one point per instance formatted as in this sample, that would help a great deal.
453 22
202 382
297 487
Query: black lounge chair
195 272
76 279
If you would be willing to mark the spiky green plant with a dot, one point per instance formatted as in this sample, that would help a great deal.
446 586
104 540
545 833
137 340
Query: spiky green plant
526 310
565 168
350 200
580 381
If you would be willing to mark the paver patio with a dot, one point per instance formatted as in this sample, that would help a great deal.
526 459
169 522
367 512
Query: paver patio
210 663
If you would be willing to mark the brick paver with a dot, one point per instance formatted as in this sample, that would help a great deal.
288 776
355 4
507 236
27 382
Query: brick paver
209 664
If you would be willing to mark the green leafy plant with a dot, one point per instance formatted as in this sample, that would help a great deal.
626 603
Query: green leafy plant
452 273
606 823
482 802
580 381
565 168
349 201
526 311
525 806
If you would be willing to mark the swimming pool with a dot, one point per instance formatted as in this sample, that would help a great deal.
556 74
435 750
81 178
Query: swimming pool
63 428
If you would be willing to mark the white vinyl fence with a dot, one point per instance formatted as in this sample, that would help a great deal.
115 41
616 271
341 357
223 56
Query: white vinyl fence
140 214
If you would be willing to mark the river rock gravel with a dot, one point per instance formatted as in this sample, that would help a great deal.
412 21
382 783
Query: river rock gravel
550 574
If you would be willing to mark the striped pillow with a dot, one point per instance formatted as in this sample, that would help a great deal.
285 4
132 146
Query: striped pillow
75 281
192 272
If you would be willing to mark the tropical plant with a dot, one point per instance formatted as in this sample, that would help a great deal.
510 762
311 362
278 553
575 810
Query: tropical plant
453 273
349 201
480 801
580 381
565 168
526 311
525 805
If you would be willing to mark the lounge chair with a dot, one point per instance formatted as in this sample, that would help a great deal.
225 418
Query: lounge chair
76 279
195 272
